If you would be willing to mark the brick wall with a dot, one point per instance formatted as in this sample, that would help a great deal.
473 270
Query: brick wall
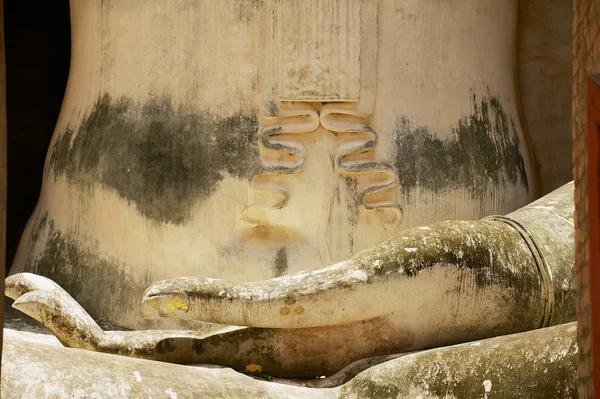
586 59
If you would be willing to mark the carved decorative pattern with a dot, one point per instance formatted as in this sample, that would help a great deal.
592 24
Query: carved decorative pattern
346 121
339 121
296 121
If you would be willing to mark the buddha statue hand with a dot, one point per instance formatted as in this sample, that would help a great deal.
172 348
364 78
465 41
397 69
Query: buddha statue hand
446 283
45 301
48 303
502 273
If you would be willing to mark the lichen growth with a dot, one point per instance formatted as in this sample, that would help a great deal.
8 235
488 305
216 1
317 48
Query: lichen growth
254 368
175 303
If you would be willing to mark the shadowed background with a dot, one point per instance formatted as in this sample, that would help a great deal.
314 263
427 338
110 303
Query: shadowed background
38 46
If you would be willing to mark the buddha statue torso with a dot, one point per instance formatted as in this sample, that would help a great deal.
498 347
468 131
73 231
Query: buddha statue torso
249 139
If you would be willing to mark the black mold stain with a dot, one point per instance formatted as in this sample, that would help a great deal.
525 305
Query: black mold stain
198 346
272 107
92 279
280 265
39 225
165 346
82 274
352 207
486 151
247 10
159 157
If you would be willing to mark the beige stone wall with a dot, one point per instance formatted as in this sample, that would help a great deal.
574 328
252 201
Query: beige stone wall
586 54
545 85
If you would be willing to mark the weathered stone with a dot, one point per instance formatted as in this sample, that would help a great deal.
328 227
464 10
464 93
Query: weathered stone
299 136
536 365
424 160
302 134
448 283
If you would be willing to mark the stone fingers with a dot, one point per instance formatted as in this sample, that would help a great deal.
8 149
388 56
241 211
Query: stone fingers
45 301
22 283
307 299
481 270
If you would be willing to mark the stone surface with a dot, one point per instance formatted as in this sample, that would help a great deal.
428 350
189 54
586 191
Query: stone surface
539 364
167 162
446 283
179 150
545 85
